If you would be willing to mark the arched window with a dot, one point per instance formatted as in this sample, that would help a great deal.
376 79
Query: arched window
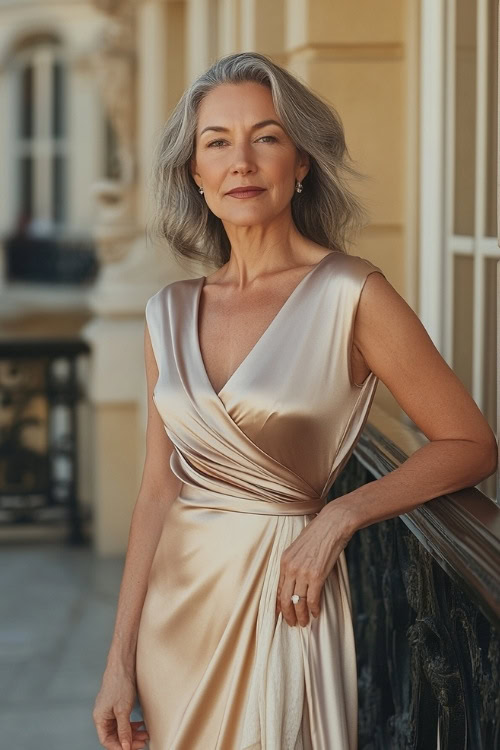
40 146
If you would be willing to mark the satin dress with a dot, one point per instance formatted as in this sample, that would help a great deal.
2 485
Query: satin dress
215 669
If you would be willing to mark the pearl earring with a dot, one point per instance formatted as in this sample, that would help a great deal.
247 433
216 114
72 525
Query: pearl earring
299 187
200 190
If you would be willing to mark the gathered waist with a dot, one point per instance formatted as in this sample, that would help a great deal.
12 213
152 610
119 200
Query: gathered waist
204 498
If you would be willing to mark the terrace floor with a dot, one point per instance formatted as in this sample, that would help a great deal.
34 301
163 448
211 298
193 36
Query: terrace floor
58 607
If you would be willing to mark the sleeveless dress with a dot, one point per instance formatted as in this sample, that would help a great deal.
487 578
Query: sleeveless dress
215 669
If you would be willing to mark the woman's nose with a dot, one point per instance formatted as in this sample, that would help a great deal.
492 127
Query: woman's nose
243 158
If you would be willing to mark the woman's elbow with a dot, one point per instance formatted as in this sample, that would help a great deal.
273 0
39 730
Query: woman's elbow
489 457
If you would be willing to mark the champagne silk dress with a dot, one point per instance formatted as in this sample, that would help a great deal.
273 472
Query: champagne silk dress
215 669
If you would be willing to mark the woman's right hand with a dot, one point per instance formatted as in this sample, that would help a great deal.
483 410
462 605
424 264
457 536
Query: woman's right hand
112 708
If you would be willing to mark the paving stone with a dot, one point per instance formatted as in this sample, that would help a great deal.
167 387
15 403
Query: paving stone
58 613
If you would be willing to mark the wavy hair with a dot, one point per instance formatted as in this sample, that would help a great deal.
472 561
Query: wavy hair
326 212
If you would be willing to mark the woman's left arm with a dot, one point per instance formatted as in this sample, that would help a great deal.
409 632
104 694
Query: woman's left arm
462 450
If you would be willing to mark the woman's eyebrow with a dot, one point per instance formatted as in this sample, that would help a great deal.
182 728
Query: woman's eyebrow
220 129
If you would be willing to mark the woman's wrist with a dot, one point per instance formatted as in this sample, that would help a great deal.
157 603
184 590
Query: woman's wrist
122 657
341 516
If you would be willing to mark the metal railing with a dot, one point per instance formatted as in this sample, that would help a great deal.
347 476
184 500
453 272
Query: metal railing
39 393
426 608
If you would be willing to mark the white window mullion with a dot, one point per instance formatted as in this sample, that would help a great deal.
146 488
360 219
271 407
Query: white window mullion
487 246
481 146
431 194
448 311
43 104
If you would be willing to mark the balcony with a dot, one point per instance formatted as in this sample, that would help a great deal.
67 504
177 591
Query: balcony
426 604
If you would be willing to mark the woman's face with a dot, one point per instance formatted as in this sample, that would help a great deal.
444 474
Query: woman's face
235 148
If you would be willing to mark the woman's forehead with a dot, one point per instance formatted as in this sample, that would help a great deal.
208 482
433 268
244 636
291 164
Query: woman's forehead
237 101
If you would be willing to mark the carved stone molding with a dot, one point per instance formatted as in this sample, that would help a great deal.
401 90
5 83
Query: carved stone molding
114 65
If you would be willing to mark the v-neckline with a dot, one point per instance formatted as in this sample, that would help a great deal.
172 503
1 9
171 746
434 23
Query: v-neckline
262 337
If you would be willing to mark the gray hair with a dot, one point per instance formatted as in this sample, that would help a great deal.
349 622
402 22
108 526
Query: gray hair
326 212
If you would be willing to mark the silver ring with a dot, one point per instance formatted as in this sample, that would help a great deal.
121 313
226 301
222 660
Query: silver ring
296 598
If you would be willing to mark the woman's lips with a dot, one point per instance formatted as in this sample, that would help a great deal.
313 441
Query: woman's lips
246 194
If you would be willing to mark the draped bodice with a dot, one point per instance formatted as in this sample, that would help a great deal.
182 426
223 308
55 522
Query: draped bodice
276 436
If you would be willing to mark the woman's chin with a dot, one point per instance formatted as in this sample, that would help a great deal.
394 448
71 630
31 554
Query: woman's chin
246 218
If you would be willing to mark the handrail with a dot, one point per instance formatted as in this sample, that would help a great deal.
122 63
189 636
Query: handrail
460 530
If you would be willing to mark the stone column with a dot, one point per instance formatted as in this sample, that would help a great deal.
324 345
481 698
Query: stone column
152 101
131 66
259 36
202 33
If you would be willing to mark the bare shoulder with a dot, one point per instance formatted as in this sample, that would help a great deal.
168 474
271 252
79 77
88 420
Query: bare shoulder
397 348
384 315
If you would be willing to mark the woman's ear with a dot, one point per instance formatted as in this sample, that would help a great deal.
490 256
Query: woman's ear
304 162
192 170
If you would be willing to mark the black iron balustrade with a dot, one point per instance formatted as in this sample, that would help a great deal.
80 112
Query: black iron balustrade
39 393
426 603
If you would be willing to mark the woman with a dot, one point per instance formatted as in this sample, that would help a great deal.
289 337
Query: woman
234 617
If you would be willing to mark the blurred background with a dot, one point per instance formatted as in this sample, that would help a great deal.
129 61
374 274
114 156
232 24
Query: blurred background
85 86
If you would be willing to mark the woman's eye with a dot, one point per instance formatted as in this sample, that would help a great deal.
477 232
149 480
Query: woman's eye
218 141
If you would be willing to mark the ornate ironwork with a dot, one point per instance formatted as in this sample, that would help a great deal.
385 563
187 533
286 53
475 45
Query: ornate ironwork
426 607
39 392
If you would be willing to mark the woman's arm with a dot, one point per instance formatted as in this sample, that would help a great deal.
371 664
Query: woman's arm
462 450
159 487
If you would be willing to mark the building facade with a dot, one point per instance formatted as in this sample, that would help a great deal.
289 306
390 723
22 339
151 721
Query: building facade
84 90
